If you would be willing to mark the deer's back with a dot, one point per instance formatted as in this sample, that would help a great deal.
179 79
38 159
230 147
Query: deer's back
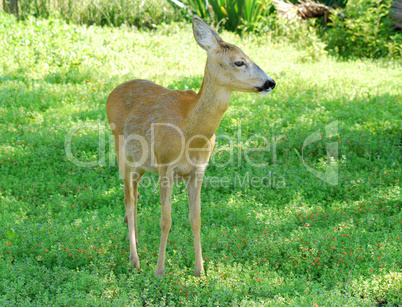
139 103
153 112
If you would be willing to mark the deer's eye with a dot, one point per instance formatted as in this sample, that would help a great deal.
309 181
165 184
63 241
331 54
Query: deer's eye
239 63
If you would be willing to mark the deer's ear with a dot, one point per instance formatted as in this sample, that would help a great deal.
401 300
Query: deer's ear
205 36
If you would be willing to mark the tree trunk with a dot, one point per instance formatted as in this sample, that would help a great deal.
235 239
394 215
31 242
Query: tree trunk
11 6
397 11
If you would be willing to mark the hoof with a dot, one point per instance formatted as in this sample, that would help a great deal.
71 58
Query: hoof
135 263
134 269
159 273
197 272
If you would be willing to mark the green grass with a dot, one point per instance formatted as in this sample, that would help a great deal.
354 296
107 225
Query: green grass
289 242
102 12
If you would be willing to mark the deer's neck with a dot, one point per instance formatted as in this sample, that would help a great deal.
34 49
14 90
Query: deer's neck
211 103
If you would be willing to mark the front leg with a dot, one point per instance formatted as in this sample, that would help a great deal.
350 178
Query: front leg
165 187
194 198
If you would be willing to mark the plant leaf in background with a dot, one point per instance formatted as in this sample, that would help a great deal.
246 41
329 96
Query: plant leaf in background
11 235
198 7
231 14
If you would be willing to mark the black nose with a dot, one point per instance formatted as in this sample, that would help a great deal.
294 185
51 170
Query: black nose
269 84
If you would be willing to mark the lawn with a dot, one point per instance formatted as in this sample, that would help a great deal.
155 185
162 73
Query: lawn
282 222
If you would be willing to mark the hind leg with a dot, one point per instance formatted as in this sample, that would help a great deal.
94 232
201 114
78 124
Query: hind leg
135 222
131 177
130 201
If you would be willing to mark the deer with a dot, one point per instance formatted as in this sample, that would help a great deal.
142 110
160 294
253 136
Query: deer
172 133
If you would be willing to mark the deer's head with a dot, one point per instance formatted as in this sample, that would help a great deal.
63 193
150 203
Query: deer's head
228 64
